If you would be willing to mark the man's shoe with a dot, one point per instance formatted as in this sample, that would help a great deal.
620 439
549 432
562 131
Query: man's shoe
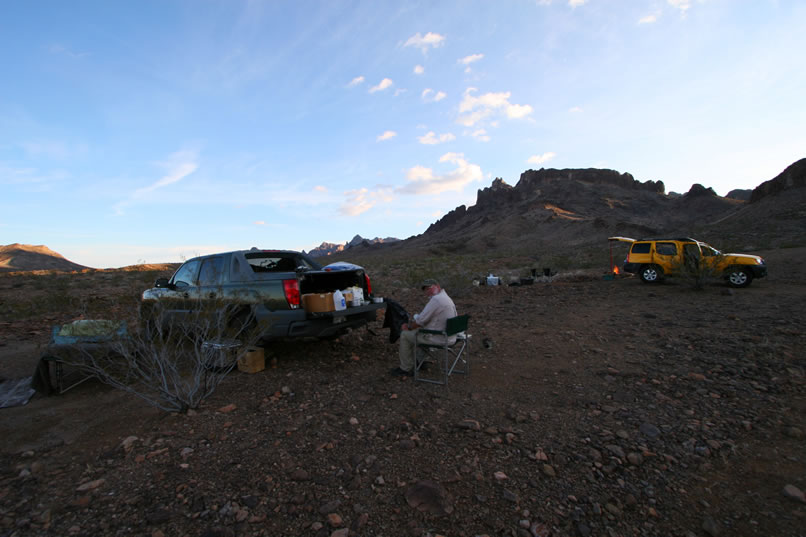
397 372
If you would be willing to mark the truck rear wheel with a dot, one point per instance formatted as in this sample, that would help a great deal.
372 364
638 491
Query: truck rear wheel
739 277
651 274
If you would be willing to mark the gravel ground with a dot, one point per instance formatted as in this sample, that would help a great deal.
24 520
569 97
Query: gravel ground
593 407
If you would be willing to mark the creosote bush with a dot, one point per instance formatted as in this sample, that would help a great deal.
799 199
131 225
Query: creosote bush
173 364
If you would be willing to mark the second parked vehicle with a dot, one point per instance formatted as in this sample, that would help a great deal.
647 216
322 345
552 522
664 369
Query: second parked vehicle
653 259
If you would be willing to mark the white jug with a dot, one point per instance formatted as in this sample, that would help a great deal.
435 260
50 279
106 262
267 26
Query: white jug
338 301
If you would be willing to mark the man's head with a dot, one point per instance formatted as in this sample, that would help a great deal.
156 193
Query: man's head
430 286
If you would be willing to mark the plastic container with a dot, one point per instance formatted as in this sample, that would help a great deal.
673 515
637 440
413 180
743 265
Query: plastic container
358 296
338 301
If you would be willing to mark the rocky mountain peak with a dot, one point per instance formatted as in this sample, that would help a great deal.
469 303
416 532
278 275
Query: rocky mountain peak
794 176
699 190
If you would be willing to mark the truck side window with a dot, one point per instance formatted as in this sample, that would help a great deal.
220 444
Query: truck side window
666 248
640 248
211 271
186 275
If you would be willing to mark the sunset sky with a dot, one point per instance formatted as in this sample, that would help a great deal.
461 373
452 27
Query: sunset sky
154 131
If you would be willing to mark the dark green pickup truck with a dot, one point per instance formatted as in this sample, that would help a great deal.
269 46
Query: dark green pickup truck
265 286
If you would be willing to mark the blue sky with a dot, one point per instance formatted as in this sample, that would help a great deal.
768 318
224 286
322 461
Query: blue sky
153 131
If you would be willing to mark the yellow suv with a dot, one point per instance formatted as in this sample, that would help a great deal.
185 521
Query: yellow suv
653 259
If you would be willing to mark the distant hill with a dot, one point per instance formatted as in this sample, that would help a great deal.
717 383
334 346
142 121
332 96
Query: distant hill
329 248
17 257
556 214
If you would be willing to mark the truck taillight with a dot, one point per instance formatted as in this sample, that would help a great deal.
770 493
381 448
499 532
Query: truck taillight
291 290
369 285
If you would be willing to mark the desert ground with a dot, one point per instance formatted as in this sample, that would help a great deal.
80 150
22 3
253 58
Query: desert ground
593 407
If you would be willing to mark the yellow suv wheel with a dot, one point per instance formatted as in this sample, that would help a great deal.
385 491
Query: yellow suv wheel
739 277
651 274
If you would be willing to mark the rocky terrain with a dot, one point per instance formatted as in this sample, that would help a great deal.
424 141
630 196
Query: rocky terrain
594 406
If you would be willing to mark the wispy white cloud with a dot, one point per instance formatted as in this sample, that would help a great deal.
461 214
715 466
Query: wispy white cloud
178 166
53 149
387 135
431 138
382 85
480 135
356 81
682 5
259 222
430 96
576 3
424 42
361 200
648 19
423 181
419 69
575 109
31 179
467 60
400 91
320 188
540 159
60 49
473 109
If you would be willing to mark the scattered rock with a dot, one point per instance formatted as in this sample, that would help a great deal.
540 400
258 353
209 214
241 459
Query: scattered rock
711 527
90 485
469 424
791 491
430 497
649 430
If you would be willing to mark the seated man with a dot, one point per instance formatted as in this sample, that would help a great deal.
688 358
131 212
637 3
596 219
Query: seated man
434 316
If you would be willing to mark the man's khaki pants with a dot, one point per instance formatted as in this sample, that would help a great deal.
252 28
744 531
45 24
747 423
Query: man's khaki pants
408 343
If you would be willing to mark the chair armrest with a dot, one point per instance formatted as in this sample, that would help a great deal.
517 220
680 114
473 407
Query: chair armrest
425 331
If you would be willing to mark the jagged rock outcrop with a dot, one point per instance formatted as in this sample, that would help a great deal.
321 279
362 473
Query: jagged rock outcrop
739 194
329 248
794 176
572 206
589 175
699 190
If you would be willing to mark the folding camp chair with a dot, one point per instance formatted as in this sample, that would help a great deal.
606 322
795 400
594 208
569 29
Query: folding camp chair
436 344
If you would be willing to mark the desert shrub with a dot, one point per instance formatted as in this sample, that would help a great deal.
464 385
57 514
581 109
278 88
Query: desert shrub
697 270
173 365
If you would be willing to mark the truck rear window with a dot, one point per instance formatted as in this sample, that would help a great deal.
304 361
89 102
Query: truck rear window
274 262
640 248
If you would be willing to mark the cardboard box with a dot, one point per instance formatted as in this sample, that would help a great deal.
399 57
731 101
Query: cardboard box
318 302
253 361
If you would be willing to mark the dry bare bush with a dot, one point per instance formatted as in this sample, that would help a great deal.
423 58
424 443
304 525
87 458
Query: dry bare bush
172 363
697 269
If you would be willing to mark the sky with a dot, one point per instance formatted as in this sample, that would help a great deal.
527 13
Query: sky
153 131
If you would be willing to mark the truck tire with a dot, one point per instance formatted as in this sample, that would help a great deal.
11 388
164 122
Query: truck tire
739 277
240 326
651 274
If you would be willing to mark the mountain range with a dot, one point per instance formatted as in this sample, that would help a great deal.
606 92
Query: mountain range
549 211
329 248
